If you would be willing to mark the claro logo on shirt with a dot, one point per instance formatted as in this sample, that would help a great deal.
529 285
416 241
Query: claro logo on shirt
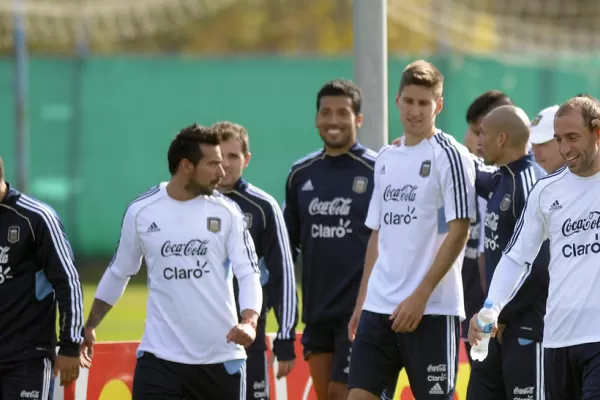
491 238
338 207
180 273
4 269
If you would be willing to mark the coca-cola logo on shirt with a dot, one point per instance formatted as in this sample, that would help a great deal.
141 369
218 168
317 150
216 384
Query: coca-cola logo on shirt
338 206
571 227
194 247
405 193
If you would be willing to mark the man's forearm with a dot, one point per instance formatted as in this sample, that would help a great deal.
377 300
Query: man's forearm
506 282
370 259
250 294
451 247
99 310
482 272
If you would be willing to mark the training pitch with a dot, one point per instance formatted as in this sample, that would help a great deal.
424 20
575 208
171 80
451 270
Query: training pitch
126 320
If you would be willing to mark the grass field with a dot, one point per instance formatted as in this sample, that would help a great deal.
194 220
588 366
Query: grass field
126 320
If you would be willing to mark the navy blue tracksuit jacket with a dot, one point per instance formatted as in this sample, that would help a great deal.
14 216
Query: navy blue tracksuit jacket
265 222
326 204
37 271
506 190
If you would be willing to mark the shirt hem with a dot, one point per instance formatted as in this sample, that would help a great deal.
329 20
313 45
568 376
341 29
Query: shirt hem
192 360
386 311
557 344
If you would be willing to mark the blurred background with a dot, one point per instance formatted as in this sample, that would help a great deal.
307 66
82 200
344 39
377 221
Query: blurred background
97 88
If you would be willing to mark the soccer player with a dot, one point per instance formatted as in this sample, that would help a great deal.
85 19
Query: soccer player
545 148
473 270
37 271
563 207
512 367
265 221
192 239
411 297
326 201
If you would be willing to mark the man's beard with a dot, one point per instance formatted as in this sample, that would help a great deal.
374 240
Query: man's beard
198 189
344 142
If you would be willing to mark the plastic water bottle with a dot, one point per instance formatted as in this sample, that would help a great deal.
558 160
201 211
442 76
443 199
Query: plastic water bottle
485 321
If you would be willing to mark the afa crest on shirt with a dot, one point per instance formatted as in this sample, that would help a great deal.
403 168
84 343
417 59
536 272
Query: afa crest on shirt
213 224
536 120
425 169
14 234
360 184
505 203
248 220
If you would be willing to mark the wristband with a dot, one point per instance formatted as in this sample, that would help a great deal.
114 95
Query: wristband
249 321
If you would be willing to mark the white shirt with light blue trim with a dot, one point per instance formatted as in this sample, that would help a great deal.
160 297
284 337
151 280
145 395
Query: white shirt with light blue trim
418 190
192 250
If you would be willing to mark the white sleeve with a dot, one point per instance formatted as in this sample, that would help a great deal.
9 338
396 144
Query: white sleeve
520 252
125 263
373 220
482 208
457 179
242 254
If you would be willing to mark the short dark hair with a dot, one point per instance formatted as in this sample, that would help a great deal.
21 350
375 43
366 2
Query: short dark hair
423 73
344 88
588 107
1 169
186 145
485 103
229 130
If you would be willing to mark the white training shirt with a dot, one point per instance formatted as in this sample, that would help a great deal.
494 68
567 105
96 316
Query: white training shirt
191 249
566 209
418 190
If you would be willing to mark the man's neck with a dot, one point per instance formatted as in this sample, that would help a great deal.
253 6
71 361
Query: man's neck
338 152
594 169
229 188
177 191
413 140
3 189
511 156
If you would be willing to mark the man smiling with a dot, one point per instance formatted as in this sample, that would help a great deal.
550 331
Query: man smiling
327 197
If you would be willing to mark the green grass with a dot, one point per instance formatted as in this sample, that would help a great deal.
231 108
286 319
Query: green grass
126 320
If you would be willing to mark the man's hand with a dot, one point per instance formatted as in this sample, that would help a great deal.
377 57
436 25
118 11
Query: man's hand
243 334
87 348
353 325
283 367
474 335
68 367
408 314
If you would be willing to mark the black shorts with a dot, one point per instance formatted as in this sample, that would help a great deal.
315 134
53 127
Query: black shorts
573 373
330 338
429 355
158 379
513 369
27 379
257 376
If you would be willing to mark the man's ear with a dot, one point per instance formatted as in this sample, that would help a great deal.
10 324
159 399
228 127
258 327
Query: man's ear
359 120
439 105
